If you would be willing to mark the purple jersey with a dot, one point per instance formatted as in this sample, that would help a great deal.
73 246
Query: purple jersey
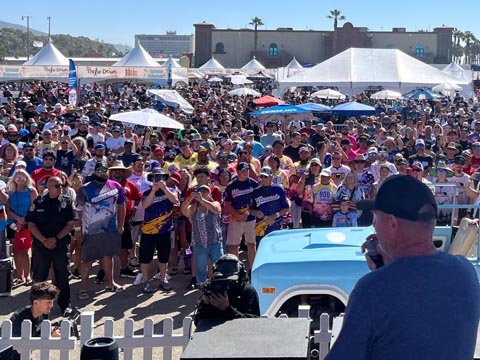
158 216
239 194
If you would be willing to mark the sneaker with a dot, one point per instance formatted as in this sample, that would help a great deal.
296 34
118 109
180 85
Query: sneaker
128 273
76 274
100 279
165 285
148 288
71 313
138 279
192 284
133 262
157 277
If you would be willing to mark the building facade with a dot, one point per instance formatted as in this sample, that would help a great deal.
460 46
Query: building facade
162 46
233 48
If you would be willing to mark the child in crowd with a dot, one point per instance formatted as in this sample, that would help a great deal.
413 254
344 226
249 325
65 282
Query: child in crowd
345 217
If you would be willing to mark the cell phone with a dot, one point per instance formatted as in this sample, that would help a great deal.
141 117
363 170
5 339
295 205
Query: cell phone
333 143
477 176
372 251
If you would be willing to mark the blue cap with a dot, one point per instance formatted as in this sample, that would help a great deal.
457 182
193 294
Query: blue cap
99 146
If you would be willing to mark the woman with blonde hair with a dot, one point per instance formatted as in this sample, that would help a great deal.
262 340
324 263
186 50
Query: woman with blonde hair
22 193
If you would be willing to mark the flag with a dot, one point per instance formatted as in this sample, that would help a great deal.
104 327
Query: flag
169 78
38 44
72 82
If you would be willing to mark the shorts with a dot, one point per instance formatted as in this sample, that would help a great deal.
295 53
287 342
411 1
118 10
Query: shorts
126 242
96 246
238 228
150 242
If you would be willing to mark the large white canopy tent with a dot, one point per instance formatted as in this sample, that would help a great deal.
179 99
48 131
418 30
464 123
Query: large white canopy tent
49 55
171 61
138 56
212 64
355 69
253 65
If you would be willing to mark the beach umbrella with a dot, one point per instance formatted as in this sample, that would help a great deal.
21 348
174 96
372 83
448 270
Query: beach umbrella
215 79
244 91
285 109
447 89
171 98
386 95
328 94
268 101
353 109
421 94
147 117
315 107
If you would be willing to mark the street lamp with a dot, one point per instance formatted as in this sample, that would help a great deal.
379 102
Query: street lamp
49 18
28 35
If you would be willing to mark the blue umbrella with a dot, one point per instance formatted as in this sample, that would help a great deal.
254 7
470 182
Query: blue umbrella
285 109
353 109
421 94
315 107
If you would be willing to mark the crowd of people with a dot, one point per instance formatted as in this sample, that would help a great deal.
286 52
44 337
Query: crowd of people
224 181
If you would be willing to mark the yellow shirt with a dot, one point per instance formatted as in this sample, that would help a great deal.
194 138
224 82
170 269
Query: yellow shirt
182 162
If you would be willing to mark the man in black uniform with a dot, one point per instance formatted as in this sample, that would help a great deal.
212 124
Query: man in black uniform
50 220
228 296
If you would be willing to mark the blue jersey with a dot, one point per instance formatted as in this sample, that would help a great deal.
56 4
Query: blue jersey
239 194
341 219
158 216
269 200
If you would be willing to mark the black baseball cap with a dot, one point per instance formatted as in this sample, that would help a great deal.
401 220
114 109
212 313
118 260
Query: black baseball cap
403 196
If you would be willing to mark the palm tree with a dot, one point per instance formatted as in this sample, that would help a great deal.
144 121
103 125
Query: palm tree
256 22
336 15
470 40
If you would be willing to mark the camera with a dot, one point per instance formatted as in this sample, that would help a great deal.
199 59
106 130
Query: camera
217 286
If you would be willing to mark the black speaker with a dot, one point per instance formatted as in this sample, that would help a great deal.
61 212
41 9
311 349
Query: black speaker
262 338
101 348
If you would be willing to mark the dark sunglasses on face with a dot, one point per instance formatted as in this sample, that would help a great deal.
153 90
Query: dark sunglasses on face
263 177
314 164
359 161
102 170
56 186
223 158
144 154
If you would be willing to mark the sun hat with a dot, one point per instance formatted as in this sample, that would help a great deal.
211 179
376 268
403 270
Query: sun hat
441 165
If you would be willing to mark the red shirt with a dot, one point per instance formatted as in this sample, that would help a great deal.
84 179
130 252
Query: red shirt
41 176
132 193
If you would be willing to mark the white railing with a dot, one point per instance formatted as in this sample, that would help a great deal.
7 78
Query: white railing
127 342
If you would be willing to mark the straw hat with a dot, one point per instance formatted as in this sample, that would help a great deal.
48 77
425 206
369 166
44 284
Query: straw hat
441 165
118 165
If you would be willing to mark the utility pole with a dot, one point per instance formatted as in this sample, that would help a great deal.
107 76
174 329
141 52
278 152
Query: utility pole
49 18
28 35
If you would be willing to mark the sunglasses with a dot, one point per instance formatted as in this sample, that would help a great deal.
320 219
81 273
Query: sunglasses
263 177
64 143
335 158
441 170
382 153
314 164
223 158
359 161
76 182
476 148
102 170
27 150
145 154
56 186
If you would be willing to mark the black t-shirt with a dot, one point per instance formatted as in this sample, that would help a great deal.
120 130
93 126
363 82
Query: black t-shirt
292 152
426 160
17 319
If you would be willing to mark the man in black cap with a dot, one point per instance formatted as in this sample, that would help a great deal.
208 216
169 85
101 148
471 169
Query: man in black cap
129 155
422 304
33 162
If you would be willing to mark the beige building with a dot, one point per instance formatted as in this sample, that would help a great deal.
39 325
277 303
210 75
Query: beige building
233 48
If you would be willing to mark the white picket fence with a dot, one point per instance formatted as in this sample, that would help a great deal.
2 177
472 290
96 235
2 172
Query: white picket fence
127 342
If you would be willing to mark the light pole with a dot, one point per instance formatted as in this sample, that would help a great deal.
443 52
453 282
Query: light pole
28 35
49 18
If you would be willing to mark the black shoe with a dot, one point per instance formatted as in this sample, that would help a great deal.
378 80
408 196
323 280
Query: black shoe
192 285
100 279
128 273
70 312
75 274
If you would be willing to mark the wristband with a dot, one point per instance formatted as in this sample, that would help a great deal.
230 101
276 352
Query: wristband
277 214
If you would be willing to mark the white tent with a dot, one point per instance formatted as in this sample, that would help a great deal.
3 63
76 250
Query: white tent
456 70
212 64
48 56
294 64
253 64
138 56
355 69
171 61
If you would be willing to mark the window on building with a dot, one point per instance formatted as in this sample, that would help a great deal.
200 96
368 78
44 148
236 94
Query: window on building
273 49
220 48
420 51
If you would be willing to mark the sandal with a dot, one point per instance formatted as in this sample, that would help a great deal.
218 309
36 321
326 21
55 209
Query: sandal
173 271
29 282
115 288
83 295
18 282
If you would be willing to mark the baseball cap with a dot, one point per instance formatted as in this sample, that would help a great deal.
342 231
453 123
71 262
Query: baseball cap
249 132
266 170
101 164
417 165
99 146
419 142
58 106
326 172
243 166
373 150
304 148
403 196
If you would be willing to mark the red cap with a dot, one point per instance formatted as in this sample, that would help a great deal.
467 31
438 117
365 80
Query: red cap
159 150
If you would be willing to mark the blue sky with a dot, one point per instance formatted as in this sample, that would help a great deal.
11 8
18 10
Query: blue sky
119 21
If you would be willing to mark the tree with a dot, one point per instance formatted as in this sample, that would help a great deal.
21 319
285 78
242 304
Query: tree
336 16
256 22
